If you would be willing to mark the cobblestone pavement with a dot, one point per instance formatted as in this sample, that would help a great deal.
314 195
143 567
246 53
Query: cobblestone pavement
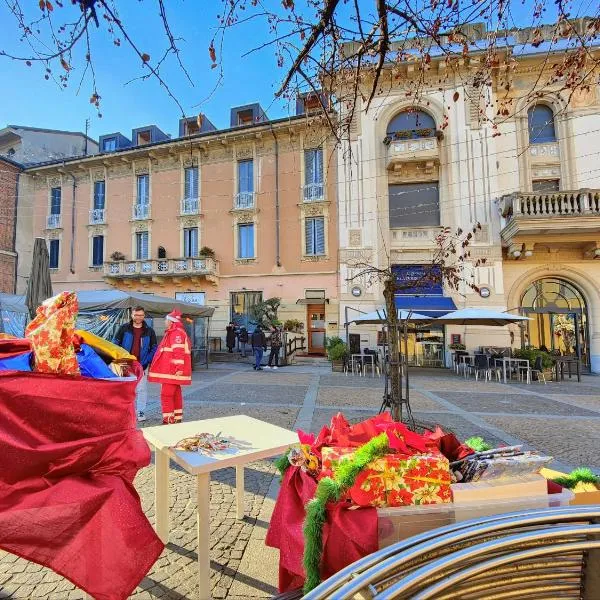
561 419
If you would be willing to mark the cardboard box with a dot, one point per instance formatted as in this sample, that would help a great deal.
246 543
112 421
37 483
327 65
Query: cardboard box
534 485
584 493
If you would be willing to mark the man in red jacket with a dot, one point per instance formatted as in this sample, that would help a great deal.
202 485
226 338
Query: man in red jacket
172 367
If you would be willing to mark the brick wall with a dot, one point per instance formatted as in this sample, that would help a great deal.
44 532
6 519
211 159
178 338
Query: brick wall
8 222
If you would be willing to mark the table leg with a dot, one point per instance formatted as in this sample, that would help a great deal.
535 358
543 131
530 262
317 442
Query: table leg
203 524
239 490
161 494
504 370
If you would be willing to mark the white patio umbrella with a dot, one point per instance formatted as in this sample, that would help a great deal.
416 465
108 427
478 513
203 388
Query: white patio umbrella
379 317
479 316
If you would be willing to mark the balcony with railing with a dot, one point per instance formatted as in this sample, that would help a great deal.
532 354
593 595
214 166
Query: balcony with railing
190 206
314 192
407 150
243 200
97 216
178 269
140 212
571 214
53 222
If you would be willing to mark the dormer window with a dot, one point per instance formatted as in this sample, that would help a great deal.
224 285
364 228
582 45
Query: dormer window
144 137
109 144
245 117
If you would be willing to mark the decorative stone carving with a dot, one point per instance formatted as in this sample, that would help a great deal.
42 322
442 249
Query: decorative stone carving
313 209
54 182
355 237
141 168
98 175
188 222
245 152
97 229
243 216
320 258
356 256
139 227
189 161
53 234
482 236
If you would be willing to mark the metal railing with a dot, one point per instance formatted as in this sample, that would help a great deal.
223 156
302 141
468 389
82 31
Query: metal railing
244 200
53 221
167 267
313 192
140 212
551 204
190 206
97 216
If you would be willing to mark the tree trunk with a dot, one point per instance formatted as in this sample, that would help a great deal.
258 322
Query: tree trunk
394 348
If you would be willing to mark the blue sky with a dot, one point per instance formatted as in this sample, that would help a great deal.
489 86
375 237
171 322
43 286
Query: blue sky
31 100
36 102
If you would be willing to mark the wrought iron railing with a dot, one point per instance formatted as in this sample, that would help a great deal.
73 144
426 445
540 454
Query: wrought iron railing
97 216
244 200
313 192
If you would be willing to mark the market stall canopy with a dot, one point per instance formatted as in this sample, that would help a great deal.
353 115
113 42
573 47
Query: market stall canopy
12 303
380 316
479 316
98 300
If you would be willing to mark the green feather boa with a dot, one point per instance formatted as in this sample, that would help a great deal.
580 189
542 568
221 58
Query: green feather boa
331 490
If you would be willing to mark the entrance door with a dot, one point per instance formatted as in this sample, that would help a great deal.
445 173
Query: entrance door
315 317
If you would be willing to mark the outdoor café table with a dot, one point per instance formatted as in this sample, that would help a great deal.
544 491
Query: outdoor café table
509 360
559 366
257 440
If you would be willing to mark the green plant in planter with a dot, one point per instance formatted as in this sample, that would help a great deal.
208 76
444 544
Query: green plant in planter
293 325
207 252
457 347
116 255
336 348
531 355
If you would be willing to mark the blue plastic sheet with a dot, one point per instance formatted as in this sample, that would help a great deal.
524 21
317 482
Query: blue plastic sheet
21 362
91 365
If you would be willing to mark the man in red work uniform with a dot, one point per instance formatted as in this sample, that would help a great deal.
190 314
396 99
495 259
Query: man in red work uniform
172 367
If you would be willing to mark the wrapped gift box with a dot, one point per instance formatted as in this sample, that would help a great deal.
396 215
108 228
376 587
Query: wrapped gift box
584 493
395 479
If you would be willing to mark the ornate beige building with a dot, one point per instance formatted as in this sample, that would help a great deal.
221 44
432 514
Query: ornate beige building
532 183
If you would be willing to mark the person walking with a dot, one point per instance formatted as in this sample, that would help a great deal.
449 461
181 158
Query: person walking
172 368
243 339
259 345
139 339
230 336
275 347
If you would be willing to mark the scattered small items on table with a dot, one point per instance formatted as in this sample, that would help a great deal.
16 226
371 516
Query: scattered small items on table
208 443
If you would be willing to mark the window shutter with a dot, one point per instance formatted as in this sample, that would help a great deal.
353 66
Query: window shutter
194 244
55 201
245 176
309 226
320 235
313 166
97 250
191 183
143 197
99 195
54 252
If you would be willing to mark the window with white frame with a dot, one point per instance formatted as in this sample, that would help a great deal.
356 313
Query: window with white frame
143 190
246 240
314 228
55 200
141 245
246 176
190 191
540 119
97 250
54 252
313 174
99 195
109 144
190 242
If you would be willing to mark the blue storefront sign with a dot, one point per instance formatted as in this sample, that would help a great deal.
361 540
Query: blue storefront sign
414 280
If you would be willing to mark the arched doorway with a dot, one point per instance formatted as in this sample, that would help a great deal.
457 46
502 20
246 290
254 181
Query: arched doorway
559 319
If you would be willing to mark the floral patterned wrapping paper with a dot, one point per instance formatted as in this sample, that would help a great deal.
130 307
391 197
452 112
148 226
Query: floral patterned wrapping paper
51 335
396 479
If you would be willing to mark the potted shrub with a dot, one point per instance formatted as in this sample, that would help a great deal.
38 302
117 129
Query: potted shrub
531 355
457 347
116 256
293 325
207 252
337 352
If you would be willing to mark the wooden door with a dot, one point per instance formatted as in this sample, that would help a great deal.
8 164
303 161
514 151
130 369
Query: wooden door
315 317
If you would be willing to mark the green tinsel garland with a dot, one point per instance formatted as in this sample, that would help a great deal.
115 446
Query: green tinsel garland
478 444
331 490
282 463
582 474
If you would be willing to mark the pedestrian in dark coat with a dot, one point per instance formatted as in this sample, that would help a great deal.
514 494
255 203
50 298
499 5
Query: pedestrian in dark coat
230 337
243 338
259 345
275 340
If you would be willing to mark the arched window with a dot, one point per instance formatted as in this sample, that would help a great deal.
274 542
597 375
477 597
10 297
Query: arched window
541 124
411 124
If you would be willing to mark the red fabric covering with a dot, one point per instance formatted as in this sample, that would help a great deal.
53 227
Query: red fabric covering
347 535
449 445
172 362
13 347
69 452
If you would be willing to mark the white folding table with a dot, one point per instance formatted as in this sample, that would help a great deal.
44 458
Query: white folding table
257 440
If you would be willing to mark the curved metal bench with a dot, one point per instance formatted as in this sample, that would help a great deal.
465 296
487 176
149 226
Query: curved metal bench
534 554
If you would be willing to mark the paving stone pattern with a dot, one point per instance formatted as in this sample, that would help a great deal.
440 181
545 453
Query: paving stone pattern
560 419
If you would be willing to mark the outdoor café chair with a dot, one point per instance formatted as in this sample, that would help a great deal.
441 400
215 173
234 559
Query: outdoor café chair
534 554
537 368
481 366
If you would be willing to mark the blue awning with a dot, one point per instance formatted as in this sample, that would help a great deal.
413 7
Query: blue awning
431 306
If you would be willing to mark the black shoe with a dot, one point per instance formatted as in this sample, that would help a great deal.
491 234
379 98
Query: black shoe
259 369
254 368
